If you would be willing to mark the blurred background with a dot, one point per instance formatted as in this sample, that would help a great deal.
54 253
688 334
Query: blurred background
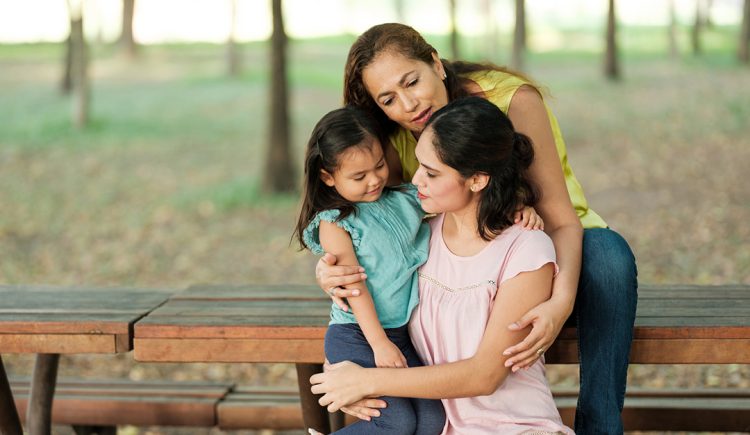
135 138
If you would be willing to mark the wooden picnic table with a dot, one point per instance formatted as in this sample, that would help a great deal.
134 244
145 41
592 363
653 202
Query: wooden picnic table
678 324
50 321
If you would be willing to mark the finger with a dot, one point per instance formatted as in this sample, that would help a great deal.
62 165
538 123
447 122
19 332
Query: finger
340 303
343 280
324 400
521 323
525 364
318 389
525 344
328 258
530 354
317 378
524 220
339 292
333 407
403 361
351 411
516 217
372 403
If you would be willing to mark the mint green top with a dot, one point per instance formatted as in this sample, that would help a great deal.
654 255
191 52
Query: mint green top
391 241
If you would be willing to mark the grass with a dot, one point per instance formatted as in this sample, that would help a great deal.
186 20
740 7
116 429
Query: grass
161 188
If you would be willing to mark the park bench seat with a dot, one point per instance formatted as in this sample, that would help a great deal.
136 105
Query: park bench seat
86 403
123 402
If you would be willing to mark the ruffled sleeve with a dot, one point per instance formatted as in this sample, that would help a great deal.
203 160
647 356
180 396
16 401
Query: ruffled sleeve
311 235
534 250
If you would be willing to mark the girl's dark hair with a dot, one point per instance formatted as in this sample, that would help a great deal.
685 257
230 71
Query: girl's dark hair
402 39
472 135
336 132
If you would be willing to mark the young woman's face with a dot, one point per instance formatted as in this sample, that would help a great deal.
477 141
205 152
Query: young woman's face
408 91
361 173
441 188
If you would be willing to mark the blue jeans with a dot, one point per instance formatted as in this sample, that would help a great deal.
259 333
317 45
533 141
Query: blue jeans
604 314
402 415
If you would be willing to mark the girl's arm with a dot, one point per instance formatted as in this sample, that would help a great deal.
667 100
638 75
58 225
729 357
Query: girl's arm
481 374
529 116
338 242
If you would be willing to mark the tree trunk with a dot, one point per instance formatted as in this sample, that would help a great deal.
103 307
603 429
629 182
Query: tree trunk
674 51
400 11
78 67
233 59
279 175
611 64
695 35
66 85
491 36
519 36
127 42
743 53
454 31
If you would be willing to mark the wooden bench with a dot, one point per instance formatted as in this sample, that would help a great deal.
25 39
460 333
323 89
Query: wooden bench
91 403
264 323
100 406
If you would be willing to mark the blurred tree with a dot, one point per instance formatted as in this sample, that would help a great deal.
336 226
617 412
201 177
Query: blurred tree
127 42
611 63
454 30
66 85
491 36
743 53
78 65
695 35
279 172
232 55
674 51
519 36
398 5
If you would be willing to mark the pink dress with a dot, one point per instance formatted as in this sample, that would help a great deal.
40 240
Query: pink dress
456 296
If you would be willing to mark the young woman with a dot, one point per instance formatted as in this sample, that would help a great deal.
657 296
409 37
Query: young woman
482 272
393 73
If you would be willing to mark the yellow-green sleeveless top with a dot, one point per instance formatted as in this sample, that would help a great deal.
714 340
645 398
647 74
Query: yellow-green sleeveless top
499 87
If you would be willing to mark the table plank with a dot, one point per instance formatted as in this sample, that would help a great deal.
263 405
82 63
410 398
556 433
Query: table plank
56 319
246 322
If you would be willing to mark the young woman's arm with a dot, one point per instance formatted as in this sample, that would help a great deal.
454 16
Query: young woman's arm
338 242
529 116
482 374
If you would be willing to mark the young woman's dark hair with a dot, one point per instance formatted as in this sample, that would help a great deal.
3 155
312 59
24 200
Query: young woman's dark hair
336 132
472 136
404 40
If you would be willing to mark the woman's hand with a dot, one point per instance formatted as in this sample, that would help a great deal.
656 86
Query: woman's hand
330 278
547 320
529 219
365 409
342 384
388 354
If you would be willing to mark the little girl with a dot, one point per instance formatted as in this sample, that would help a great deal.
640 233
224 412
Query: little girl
347 210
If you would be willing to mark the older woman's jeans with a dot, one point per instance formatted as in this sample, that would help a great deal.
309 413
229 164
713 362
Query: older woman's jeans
604 314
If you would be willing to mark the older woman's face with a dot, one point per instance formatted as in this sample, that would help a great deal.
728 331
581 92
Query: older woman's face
408 91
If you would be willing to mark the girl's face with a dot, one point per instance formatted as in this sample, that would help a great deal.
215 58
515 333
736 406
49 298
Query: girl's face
361 173
441 188
408 91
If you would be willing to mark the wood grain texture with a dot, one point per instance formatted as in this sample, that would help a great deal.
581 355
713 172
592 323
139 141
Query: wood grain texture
276 323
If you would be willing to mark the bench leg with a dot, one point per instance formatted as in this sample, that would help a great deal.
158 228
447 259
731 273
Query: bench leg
44 378
10 424
313 415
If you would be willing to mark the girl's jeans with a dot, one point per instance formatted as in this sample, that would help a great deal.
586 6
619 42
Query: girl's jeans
402 415
604 314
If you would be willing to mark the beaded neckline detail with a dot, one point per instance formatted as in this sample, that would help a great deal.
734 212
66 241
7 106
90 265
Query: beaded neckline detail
459 289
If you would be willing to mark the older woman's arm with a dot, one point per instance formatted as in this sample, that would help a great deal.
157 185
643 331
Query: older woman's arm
345 383
529 116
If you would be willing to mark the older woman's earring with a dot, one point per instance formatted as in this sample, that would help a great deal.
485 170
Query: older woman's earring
445 75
